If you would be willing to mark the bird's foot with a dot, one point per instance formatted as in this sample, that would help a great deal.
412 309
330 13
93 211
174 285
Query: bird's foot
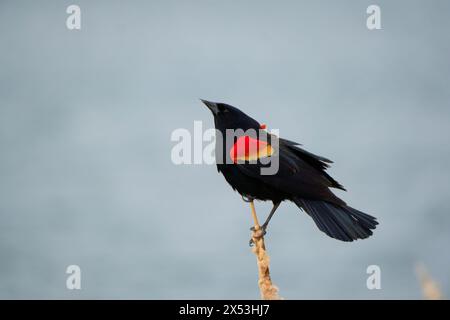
257 234
247 198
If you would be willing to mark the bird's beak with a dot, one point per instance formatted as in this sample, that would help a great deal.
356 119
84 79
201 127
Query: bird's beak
211 106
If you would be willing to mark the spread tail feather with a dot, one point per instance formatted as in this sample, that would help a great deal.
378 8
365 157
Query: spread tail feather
339 222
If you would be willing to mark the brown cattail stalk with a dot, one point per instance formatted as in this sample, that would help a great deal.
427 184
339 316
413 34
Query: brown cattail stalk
430 289
266 287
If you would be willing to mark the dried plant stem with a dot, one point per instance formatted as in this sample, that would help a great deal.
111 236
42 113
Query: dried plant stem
430 289
266 287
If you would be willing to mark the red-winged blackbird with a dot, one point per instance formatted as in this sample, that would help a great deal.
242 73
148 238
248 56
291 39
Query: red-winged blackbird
301 177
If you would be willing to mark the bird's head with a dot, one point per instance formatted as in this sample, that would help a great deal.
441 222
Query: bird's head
229 117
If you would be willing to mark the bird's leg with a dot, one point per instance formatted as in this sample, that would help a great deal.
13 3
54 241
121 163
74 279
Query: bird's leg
266 223
247 198
257 229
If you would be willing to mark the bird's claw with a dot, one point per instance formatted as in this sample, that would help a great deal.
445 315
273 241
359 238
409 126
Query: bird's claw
261 228
257 234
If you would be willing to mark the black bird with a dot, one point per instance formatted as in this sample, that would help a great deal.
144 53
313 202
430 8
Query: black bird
301 176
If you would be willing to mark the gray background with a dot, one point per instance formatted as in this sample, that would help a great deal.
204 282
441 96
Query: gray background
85 123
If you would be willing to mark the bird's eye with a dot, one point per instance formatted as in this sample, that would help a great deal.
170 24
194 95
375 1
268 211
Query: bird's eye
222 108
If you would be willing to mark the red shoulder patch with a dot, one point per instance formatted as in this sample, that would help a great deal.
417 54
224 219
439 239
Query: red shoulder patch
247 148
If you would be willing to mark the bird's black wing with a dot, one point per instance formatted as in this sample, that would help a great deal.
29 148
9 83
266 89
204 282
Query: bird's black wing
317 162
300 173
302 176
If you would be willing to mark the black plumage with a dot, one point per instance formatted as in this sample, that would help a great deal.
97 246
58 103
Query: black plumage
301 178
